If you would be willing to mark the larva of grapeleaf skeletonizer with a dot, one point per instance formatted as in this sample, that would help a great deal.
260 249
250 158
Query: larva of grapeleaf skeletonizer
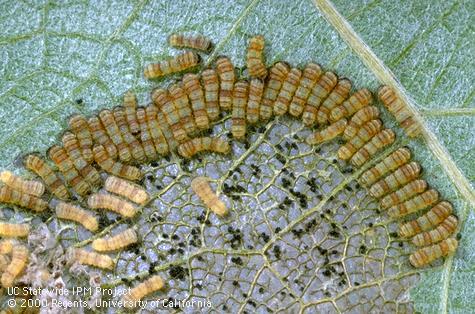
117 242
414 204
201 144
428 221
226 74
320 91
92 259
6 246
198 42
112 203
12 230
43 170
31 187
180 99
358 100
110 125
399 177
88 172
407 191
337 96
329 133
393 161
15 197
164 102
156 130
358 119
130 106
256 90
135 147
443 231
291 82
238 121
100 136
126 189
365 133
384 138
145 136
111 166
61 159
399 110
428 254
80 128
202 188
211 89
179 63
192 86
137 293
310 75
4 262
17 265
277 75
75 213
255 57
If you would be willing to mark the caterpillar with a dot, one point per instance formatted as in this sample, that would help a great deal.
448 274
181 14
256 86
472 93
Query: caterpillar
202 188
80 128
92 259
310 75
407 191
281 105
336 97
238 125
384 138
155 130
277 75
399 110
198 42
179 63
145 136
170 144
255 57
401 176
210 81
164 102
192 85
17 264
362 116
4 262
88 172
330 132
112 129
428 254
31 187
443 231
200 144
74 213
429 220
112 203
12 230
391 162
183 108
100 136
14 197
414 204
116 168
226 74
256 91
39 166
137 293
367 131
59 156
130 107
319 92
6 246
135 147
117 242
126 189
358 100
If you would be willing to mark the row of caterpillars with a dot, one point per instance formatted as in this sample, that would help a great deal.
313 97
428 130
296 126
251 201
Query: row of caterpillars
180 116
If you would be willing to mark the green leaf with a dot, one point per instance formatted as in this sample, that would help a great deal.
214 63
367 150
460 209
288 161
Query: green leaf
55 53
